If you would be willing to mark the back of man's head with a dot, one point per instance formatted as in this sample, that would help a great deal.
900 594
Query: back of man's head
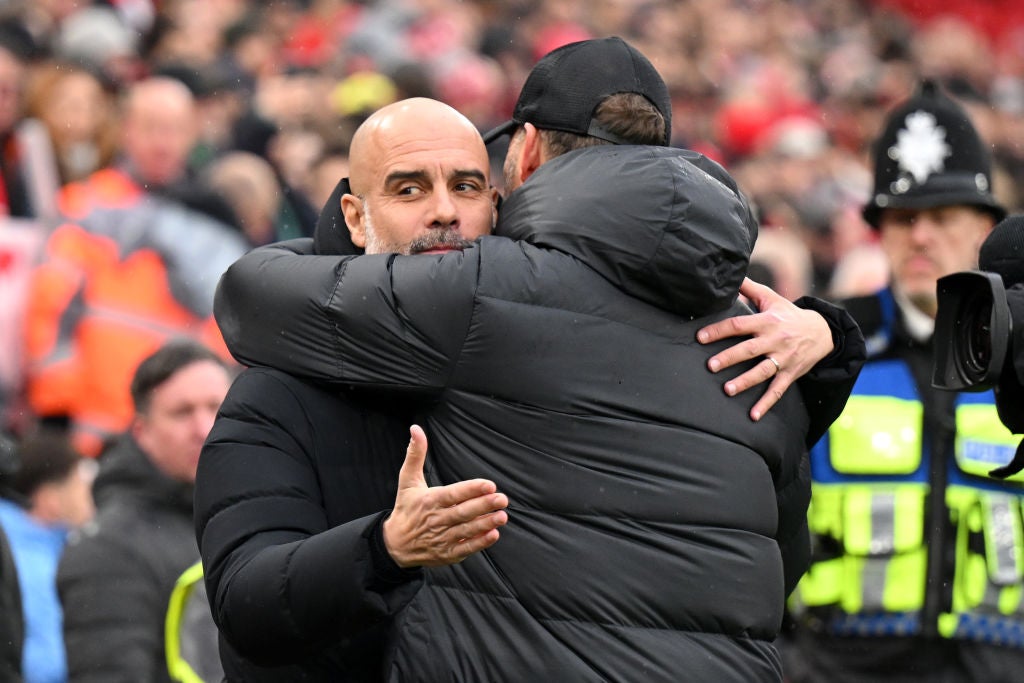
592 92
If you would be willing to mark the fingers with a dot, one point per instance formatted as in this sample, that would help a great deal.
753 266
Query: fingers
760 295
738 353
458 493
775 391
469 507
762 372
411 474
479 526
432 526
468 546
736 326
455 539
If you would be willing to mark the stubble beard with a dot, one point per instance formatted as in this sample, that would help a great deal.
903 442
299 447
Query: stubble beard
446 239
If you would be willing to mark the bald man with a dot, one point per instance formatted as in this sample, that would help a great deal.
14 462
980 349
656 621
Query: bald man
304 561
418 193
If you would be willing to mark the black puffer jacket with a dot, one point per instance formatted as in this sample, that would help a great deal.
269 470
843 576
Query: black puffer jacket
645 511
116 577
290 491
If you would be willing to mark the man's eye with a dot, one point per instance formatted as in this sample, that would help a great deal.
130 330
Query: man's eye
467 187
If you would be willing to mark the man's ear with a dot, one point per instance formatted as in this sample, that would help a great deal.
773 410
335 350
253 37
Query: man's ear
495 204
352 210
138 431
531 153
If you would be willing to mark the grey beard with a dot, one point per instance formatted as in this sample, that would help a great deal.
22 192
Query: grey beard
438 239
435 239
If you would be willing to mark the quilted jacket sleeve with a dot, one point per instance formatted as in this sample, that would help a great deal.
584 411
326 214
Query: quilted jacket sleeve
829 383
381 320
284 579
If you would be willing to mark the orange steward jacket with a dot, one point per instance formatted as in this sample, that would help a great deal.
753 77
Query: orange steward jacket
127 271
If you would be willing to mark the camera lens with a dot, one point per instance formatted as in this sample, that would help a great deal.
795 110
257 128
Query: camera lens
975 332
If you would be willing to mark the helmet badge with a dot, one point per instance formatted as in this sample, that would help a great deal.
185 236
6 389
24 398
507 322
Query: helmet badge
921 147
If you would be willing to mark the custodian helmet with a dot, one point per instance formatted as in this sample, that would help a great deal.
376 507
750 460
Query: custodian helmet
930 155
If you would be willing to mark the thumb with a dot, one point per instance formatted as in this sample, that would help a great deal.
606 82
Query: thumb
411 474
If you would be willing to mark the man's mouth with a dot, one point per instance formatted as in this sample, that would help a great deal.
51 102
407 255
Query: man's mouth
439 243
439 250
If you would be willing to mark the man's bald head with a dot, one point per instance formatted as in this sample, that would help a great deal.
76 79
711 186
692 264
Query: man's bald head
420 180
411 122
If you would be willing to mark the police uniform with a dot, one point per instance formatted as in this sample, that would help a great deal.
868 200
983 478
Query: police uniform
918 552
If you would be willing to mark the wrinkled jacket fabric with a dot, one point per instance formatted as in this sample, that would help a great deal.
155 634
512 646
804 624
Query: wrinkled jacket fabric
115 578
292 484
647 510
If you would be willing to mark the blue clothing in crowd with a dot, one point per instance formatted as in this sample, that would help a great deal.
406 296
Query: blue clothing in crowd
37 548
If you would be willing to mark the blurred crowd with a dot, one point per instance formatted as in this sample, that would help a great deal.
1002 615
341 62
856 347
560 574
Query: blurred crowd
146 144
786 94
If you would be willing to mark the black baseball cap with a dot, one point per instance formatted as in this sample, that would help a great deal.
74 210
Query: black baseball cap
565 87
930 155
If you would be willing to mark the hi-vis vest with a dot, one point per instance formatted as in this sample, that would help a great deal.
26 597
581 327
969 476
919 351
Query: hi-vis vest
129 272
868 512
190 636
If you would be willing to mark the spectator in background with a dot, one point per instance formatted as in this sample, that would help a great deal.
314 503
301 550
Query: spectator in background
247 182
135 264
919 565
115 580
25 190
97 36
329 167
47 497
788 260
859 272
77 109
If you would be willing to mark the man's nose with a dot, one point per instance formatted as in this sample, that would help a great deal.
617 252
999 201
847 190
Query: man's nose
445 211
202 422
922 228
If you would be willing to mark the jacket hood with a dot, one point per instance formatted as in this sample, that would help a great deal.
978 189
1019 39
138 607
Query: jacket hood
665 225
331 235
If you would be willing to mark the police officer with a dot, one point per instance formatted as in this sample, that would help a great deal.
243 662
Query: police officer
918 560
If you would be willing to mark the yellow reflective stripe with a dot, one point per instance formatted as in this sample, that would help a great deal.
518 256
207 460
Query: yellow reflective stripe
971 576
1003 537
177 667
877 435
862 517
881 528
982 441
984 583
901 578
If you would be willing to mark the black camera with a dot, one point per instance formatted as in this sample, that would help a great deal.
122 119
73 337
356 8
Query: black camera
979 329
973 328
